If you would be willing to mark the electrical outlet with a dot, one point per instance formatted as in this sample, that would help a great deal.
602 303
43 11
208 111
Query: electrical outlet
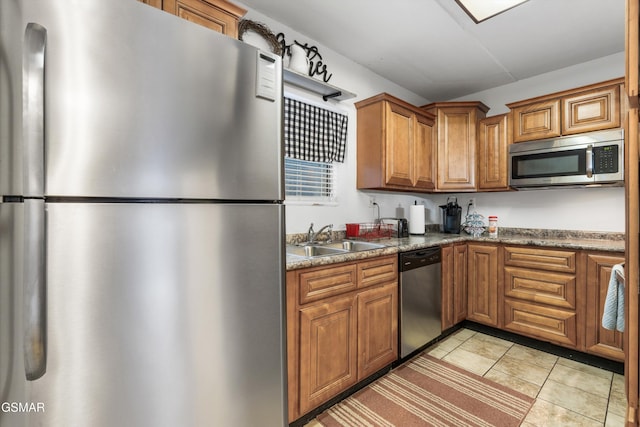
372 202
472 202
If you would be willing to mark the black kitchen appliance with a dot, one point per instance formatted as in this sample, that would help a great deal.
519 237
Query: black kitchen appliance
451 213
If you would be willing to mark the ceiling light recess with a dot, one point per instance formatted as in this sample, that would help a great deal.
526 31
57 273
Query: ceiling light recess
481 10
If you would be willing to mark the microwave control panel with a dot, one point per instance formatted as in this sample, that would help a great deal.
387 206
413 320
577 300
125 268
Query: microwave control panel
605 159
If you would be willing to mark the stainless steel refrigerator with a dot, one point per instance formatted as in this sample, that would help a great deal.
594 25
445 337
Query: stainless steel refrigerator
141 222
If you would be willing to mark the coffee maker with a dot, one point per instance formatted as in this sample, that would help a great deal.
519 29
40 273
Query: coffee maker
451 214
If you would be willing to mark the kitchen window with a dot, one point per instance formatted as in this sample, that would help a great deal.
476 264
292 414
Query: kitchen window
315 139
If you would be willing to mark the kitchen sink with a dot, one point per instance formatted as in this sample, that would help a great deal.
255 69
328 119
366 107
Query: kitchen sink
314 250
335 248
355 246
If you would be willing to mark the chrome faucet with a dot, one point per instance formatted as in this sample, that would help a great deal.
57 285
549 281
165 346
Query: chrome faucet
312 236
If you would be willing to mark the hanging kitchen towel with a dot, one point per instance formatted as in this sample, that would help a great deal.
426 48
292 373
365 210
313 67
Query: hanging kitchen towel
613 316
313 134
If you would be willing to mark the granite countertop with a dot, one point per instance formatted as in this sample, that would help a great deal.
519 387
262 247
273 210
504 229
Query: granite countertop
608 242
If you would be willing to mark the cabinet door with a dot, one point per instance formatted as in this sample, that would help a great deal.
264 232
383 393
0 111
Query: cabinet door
493 141
456 148
424 154
482 285
399 130
154 3
536 121
598 340
592 110
218 15
459 283
377 329
446 253
327 351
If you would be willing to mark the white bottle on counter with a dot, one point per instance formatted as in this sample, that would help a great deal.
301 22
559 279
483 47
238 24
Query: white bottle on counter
493 226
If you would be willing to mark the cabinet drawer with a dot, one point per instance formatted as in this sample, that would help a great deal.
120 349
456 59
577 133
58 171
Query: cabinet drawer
554 289
549 324
379 270
326 282
543 259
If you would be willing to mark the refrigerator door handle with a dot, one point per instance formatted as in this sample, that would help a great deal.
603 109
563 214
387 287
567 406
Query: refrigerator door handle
33 70
35 290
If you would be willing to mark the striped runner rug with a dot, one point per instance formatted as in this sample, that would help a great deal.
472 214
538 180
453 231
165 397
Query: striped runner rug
430 392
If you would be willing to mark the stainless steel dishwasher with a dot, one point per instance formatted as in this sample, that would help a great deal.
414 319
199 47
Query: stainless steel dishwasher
420 298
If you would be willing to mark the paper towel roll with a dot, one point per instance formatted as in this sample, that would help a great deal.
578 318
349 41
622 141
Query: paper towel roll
416 219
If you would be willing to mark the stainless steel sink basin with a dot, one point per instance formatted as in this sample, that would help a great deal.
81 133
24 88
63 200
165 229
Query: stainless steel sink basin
314 250
334 248
355 246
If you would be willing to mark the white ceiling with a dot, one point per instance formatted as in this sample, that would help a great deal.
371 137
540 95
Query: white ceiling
433 48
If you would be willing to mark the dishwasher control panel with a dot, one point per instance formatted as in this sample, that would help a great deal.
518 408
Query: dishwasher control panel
419 258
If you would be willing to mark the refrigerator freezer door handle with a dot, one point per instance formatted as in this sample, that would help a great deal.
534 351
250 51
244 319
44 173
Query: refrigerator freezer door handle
33 69
35 290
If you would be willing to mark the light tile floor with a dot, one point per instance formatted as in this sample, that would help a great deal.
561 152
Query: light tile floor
567 393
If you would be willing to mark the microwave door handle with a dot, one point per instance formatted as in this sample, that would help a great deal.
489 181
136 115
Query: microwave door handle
589 161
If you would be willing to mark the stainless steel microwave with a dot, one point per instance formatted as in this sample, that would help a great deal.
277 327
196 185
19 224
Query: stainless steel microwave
588 159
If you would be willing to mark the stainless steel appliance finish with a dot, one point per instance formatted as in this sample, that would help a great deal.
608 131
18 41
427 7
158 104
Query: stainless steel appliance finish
146 154
594 158
420 299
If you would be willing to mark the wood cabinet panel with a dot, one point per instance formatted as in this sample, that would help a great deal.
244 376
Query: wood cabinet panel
493 142
219 15
592 110
399 162
378 270
342 326
460 283
584 109
550 288
483 284
536 121
454 285
544 259
155 3
322 282
395 145
598 340
377 329
552 324
456 139
327 351
424 157
446 254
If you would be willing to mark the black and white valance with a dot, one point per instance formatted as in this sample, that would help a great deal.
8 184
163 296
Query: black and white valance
313 133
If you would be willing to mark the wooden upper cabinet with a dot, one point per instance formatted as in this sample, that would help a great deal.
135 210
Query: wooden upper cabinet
584 109
537 121
494 137
154 3
456 139
219 15
591 110
395 145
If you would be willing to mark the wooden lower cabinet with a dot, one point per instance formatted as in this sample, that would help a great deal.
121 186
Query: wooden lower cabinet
454 285
598 340
342 326
540 294
483 284
327 349
377 329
